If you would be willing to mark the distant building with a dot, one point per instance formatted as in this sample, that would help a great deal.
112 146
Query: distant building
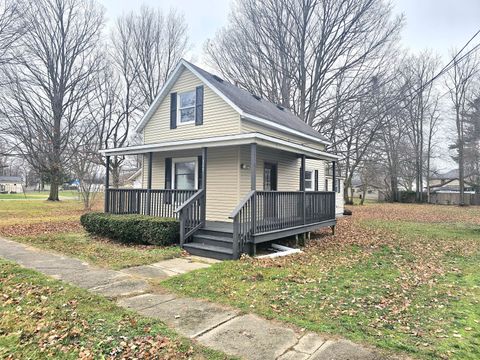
449 182
10 184
372 193
135 180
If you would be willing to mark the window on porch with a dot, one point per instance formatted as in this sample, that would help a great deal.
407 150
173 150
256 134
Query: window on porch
185 174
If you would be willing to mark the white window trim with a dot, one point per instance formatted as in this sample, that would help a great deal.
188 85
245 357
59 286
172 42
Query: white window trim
186 159
312 188
179 115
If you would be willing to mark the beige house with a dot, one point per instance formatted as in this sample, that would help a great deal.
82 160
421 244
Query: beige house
235 169
10 184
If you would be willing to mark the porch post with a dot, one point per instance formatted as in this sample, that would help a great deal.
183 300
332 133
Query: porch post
334 177
302 188
253 166
334 188
253 186
107 184
149 182
204 185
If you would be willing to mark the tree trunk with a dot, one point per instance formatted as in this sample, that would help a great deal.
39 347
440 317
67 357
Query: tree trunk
53 191
461 174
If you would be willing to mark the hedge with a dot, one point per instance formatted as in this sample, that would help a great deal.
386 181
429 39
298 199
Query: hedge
138 229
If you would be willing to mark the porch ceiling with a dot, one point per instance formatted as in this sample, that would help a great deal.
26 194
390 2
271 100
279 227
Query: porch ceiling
230 140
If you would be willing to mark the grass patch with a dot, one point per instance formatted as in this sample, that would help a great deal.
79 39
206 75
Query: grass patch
39 195
394 276
101 252
43 318
56 226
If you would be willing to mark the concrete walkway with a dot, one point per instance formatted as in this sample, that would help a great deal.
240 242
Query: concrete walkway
221 328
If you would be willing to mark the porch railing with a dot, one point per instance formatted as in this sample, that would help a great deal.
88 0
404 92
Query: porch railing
263 212
192 215
154 202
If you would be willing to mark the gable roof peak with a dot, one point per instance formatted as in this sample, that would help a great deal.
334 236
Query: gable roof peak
249 106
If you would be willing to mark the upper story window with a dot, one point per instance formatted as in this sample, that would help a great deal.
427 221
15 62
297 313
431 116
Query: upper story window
186 107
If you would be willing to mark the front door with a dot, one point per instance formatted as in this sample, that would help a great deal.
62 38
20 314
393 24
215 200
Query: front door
270 177
269 184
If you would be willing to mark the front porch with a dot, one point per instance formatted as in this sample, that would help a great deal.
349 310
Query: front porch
226 214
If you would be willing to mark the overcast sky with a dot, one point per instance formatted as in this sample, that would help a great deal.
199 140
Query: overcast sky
435 24
438 25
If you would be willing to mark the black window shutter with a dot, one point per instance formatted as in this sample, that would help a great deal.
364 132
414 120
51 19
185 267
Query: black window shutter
200 172
168 173
199 105
316 180
173 110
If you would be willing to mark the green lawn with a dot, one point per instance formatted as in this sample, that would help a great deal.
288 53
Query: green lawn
405 278
39 195
44 318
55 226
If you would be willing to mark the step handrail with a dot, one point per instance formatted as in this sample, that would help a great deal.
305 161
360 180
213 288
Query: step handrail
241 204
189 200
191 215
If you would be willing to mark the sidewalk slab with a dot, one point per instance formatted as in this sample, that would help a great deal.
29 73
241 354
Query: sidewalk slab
251 337
180 265
141 302
309 343
149 272
189 317
92 277
345 350
293 355
122 288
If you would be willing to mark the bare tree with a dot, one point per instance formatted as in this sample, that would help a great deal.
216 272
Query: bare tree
420 101
293 52
461 82
12 26
156 43
50 83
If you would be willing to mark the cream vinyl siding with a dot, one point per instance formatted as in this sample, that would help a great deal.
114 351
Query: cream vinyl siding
288 165
223 171
219 118
313 164
250 127
288 168
339 196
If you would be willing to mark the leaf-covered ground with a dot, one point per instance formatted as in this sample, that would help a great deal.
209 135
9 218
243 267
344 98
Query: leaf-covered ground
402 277
56 226
42 318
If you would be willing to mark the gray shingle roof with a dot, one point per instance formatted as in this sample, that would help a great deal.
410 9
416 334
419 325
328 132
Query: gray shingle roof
452 174
10 179
260 108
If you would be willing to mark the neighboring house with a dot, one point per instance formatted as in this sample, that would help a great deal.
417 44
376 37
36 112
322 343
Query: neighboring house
135 181
372 193
449 182
235 169
10 184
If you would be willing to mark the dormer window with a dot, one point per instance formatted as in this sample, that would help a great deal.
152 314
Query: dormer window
186 107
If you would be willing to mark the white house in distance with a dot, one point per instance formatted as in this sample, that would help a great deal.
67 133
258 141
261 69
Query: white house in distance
11 184
235 169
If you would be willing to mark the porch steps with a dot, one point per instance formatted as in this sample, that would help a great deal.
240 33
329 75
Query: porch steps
211 243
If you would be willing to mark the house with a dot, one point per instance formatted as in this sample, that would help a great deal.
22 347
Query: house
235 169
135 181
449 182
372 192
338 188
10 184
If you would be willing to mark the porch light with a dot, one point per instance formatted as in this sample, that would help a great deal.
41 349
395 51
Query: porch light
244 166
